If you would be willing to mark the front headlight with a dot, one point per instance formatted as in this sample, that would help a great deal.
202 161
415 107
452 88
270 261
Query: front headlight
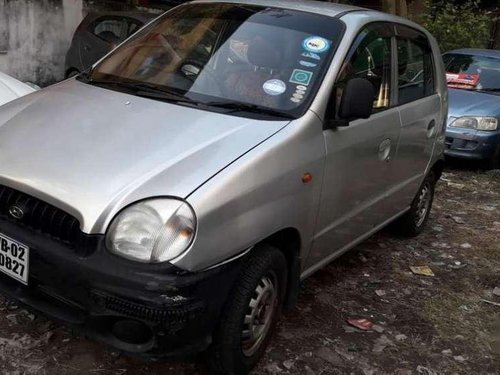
152 231
478 123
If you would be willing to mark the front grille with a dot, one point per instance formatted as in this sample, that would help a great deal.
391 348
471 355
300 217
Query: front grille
39 216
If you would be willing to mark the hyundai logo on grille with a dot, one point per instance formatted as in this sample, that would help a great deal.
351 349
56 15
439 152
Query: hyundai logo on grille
16 212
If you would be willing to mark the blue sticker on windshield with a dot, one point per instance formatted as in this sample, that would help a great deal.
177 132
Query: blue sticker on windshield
307 64
311 55
316 44
301 77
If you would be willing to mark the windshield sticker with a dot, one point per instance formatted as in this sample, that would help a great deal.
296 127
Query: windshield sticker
462 80
301 77
274 87
316 44
299 94
311 55
307 64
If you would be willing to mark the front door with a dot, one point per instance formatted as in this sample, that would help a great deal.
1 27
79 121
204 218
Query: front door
359 164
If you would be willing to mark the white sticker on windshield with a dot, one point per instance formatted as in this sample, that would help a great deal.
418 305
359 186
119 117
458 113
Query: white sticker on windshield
274 87
316 44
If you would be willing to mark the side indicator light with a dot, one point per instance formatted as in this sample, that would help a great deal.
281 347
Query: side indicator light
306 178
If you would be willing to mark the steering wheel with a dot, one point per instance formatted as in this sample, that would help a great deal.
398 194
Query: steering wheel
192 68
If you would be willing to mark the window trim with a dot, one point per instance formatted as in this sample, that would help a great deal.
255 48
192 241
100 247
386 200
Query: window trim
398 28
331 111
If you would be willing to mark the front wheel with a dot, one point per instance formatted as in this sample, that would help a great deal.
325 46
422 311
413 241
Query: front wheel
250 314
413 222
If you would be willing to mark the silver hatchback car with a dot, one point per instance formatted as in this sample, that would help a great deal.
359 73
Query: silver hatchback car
170 200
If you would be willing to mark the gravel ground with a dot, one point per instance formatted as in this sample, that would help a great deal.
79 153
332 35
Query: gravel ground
448 323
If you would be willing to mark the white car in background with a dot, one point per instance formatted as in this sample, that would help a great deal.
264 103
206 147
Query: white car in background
11 88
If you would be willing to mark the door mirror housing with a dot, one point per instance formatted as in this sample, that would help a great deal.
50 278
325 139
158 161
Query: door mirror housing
357 100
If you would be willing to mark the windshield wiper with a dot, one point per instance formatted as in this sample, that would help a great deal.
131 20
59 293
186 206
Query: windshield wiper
243 107
147 90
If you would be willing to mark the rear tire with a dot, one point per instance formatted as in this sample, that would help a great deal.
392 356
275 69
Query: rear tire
413 222
250 313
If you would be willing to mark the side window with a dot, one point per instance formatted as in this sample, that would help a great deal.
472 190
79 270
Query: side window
415 69
112 30
370 58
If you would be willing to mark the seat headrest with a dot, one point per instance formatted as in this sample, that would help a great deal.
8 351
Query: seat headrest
263 54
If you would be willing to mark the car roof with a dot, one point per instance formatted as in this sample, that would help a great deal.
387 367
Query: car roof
476 52
140 16
318 7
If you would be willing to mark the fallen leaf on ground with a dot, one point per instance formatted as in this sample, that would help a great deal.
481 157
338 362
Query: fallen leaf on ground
458 220
381 343
363 324
330 356
422 270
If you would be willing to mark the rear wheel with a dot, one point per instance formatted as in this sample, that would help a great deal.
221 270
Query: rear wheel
413 222
250 314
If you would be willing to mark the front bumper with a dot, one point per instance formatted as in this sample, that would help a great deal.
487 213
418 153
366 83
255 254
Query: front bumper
151 310
471 144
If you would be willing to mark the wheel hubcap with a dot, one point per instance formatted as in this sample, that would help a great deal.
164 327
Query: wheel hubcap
423 204
260 314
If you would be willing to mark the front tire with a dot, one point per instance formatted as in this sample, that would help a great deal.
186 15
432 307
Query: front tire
250 314
413 222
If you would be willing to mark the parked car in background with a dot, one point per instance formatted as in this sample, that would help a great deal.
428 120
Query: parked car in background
473 130
98 34
11 88
191 179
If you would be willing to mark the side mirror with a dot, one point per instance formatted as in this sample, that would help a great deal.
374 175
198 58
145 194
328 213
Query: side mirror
357 100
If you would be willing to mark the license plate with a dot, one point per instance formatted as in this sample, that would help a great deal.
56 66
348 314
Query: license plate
14 259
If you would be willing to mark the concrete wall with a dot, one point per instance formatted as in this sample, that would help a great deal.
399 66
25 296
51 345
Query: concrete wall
39 33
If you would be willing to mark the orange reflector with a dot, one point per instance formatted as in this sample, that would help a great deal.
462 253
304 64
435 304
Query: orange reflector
306 178
186 232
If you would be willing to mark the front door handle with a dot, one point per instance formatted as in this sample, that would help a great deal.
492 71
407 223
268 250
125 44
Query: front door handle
431 128
384 150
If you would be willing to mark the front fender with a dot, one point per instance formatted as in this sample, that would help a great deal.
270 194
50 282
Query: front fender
259 194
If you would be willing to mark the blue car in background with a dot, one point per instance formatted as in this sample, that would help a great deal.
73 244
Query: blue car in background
473 130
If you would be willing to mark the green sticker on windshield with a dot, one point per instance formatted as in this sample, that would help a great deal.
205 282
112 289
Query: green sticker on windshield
301 77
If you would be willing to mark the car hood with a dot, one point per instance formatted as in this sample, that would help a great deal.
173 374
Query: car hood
91 151
11 88
472 103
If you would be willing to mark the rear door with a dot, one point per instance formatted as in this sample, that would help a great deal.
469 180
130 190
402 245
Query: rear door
420 108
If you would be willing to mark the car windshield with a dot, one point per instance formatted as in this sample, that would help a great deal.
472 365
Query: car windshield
227 56
472 72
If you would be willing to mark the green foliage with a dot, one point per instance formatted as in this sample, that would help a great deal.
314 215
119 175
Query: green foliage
457 26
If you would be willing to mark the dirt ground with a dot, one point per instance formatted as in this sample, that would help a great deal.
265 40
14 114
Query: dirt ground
445 324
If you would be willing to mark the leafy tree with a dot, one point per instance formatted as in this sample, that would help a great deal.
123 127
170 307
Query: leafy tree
455 25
